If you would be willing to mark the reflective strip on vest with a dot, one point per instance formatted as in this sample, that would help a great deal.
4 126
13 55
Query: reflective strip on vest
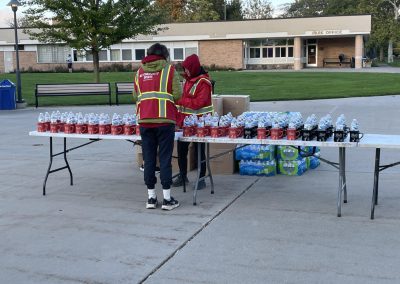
156 96
193 89
162 96
199 111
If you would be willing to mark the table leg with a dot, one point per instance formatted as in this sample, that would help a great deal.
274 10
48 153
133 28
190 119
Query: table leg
344 176
49 167
66 162
376 183
341 182
208 167
198 173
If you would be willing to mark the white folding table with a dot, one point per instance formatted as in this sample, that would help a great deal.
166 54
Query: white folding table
378 142
341 165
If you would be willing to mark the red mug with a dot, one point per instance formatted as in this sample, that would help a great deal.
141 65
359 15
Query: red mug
276 133
93 128
207 130
69 128
54 127
292 133
262 133
117 129
81 128
235 132
47 125
104 129
201 132
216 132
41 127
129 129
188 131
61 127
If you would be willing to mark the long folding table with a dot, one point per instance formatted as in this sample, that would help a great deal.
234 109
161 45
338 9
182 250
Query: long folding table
340 165
379 141
376 141
134 139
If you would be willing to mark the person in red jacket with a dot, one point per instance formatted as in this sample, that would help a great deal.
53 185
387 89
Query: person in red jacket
196 99
157 88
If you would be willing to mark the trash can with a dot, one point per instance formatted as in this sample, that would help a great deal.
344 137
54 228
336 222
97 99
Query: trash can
7 95
353 62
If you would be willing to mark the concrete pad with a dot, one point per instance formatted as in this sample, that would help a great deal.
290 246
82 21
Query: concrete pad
252 230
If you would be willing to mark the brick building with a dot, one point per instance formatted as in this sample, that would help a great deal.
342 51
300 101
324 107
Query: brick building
293 43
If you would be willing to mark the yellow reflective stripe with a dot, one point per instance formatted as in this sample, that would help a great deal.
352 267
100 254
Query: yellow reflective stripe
162 108
194 87
156 95
164 78
202 110
137 83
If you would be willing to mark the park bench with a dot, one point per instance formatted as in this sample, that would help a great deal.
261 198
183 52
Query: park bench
72 89
336 61
123 88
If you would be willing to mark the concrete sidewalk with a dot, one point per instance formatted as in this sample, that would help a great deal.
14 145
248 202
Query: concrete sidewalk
252 230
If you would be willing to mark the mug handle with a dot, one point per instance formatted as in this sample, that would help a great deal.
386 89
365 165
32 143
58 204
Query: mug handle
280 135
360 135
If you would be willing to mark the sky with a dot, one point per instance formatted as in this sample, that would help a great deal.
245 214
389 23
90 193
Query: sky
6 14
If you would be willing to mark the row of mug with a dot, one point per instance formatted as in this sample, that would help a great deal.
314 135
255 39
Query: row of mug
102 129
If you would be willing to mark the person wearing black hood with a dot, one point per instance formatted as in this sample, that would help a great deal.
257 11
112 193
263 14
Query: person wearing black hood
196 99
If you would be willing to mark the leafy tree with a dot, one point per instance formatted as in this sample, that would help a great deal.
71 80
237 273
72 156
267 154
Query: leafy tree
258 9
219 7
172 10
21 22
234 10
90 25
200 10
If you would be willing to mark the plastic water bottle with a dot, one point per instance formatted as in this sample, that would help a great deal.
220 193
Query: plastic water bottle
354 125
41 118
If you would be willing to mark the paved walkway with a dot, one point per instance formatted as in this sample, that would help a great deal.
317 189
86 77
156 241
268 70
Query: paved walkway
252 230
382 69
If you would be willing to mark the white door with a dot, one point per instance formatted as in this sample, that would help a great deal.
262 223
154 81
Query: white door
311 55
8 62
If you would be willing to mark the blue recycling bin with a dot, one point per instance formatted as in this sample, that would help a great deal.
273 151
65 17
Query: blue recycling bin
7 95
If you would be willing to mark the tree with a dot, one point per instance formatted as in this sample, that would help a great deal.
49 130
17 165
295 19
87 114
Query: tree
199 11
21 22
234 10
90 25
173 10
258 9
395 9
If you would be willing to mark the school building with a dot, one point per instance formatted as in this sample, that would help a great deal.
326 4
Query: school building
287 43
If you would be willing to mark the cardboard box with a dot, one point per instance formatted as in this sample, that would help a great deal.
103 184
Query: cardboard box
218 104
225 164
236 104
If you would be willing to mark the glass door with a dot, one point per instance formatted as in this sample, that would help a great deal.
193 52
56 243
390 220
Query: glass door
311 55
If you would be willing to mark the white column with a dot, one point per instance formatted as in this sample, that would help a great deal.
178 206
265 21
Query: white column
359 47
297 53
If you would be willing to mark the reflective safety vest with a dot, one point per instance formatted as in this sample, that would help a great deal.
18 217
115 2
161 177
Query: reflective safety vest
155 99
204 110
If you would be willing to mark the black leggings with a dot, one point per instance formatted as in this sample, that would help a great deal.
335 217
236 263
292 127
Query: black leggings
183 149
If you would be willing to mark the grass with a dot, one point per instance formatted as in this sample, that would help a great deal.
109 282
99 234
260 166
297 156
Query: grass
261 86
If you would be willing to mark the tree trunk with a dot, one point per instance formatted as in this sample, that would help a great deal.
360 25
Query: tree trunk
381 54
96 66
390 51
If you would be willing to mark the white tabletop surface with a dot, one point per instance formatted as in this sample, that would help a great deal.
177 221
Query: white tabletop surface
298 142
368 141
380 141
92 136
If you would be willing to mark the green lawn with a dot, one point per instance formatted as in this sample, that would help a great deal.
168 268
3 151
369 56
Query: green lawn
261 86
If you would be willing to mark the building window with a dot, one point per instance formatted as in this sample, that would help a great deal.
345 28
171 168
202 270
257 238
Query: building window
103 55
290 51
126 54
20 47
79 55
254 52
190 51
268 52
178 53
52 53
139 54
280 51
89 56
115 55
